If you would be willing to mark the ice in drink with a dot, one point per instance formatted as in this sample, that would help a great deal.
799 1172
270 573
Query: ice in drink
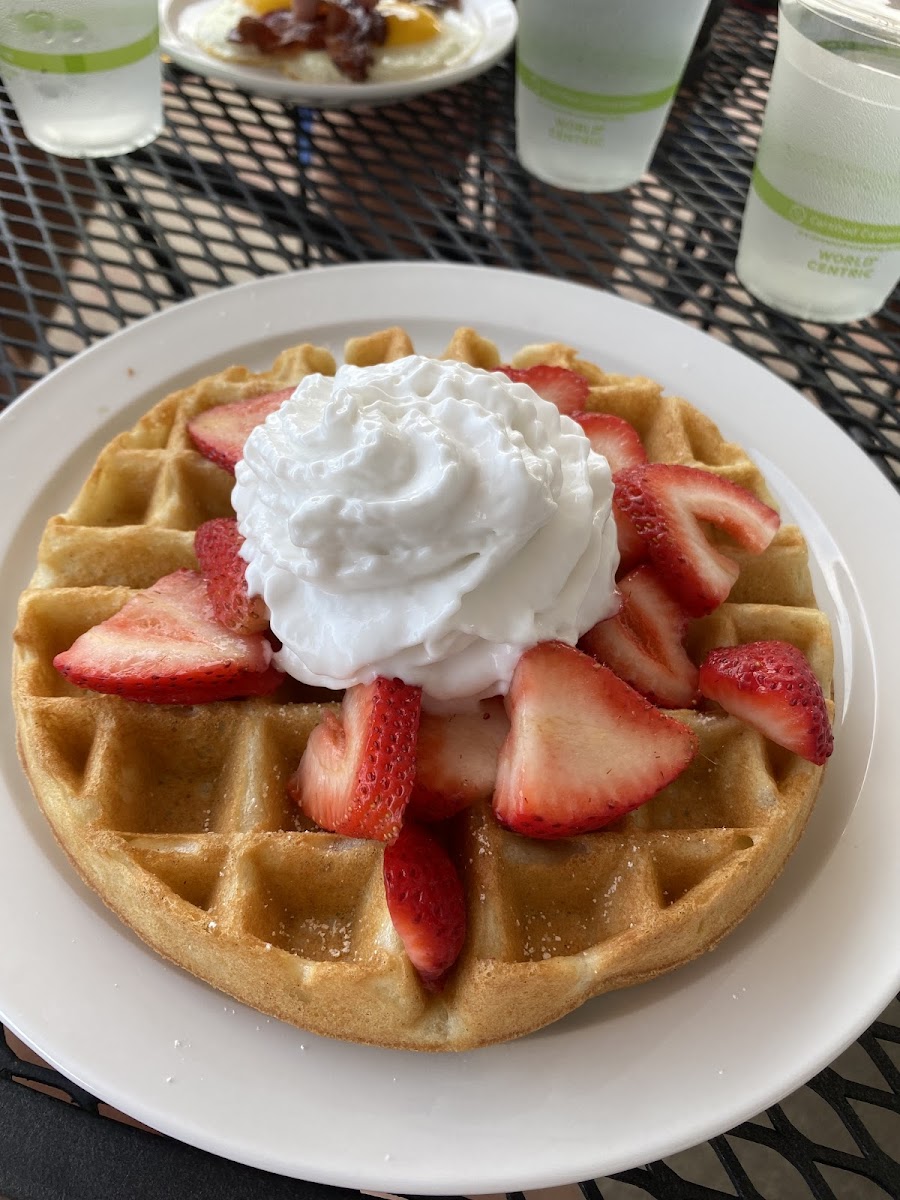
84 75
595 80
821 231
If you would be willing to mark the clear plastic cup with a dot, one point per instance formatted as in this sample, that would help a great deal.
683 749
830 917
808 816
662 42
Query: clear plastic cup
84 75
820 237
595 80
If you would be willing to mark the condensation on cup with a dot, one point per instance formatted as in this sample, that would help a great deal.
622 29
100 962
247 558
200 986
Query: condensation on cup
595 80
84 75
820 238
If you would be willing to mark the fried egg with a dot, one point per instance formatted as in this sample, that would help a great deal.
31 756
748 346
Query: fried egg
419 42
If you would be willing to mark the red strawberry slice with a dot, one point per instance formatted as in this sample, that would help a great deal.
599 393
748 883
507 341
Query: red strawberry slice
772 687
357 772
456 760
426 901
584 747
631 545
568 390
666 504
643 642
217 544
165 646
219 433
613 437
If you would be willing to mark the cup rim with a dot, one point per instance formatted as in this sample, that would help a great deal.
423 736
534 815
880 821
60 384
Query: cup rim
875 19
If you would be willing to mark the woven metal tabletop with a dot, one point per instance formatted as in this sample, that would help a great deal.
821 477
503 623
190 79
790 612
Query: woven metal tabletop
237 188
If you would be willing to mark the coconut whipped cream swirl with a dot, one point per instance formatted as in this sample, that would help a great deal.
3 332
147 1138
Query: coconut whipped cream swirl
423 520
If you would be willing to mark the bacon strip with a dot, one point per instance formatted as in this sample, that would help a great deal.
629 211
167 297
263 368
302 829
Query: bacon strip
347 30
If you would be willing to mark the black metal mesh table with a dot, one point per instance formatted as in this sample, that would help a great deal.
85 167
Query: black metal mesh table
239 187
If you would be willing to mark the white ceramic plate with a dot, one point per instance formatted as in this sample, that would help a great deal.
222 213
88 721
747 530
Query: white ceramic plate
628 1077
496 19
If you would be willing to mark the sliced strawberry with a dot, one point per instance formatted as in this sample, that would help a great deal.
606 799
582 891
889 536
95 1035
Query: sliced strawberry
219 433
426 901
357 772
568 390
165 646
666 504
631 545
613 437
217 544
584 747
643 642
456 760
772 687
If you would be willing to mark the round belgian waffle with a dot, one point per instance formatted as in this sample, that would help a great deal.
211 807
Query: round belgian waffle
179 818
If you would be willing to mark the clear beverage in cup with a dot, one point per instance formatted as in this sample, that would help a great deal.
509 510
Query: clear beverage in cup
84 75
821 231
595 80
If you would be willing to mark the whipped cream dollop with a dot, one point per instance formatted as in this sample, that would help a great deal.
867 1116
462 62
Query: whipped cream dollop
424 520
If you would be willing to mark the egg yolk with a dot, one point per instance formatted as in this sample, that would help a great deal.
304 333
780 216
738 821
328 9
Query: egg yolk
407 24
261 7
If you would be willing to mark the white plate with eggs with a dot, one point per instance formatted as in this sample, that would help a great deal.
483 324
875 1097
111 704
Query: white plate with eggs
426 49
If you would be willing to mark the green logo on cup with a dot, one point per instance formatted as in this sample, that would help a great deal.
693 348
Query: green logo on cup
596 103
73 62
839 229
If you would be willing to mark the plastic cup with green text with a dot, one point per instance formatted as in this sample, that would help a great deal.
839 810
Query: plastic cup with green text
820 237
84 75
595 80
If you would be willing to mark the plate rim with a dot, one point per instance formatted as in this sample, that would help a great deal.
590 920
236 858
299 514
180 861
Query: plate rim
542 290
500 16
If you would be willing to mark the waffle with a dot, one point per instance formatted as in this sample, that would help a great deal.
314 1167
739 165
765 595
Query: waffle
178 817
